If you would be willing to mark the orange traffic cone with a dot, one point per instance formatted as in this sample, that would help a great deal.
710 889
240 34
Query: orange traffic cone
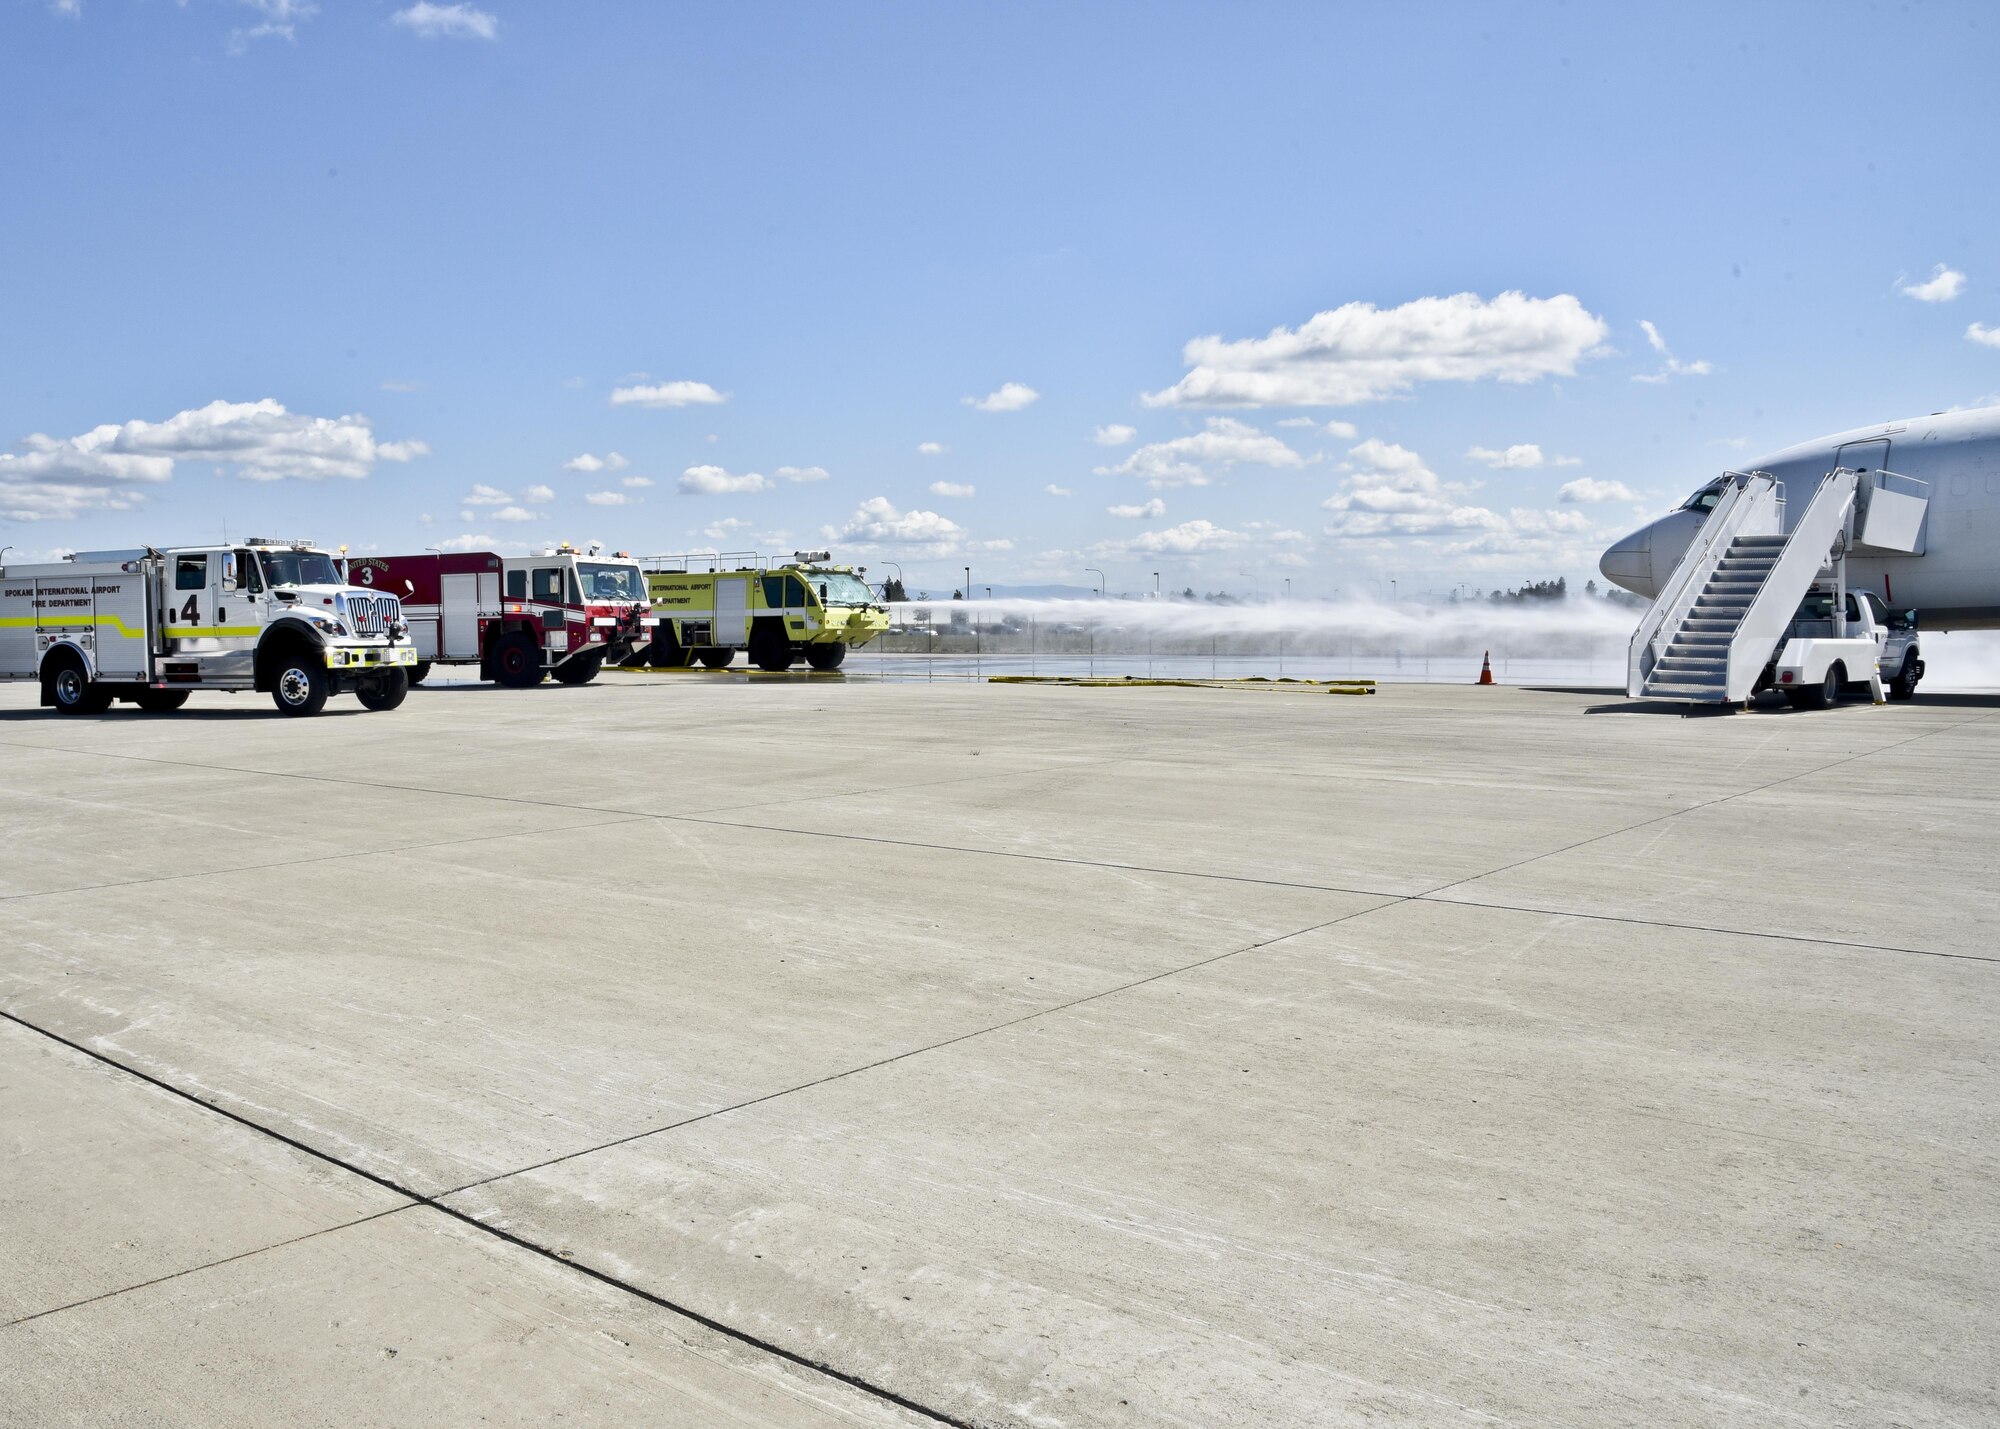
1486 668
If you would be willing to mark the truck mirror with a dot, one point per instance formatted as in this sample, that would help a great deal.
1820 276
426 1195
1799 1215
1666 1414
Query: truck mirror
1910 618
229 570
410 587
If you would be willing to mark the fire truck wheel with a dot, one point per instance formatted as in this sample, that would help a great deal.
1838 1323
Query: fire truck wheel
825 657
160 701
717 658
517 661
769 647
420 672
384 693
71 690
301 687
580 671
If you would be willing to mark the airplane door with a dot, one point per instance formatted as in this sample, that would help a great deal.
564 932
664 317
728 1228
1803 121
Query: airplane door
458 618
732 610
1864 456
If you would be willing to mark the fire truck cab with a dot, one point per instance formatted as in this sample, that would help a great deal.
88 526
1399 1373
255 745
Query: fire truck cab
521 619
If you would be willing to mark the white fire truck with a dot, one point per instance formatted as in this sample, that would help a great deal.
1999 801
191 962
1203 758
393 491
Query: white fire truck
152 626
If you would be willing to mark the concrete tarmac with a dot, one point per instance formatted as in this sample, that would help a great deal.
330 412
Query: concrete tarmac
718 1051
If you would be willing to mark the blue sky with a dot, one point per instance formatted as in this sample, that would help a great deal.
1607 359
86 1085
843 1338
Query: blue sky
378 273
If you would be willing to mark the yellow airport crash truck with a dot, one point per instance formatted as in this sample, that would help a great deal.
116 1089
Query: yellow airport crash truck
804 609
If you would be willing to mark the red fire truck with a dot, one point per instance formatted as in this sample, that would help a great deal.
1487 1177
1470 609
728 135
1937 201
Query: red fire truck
520 618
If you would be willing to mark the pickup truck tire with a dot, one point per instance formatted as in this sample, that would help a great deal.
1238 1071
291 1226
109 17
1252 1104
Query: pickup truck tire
580 671
420 672
825 657
1904 686
299 685
385 692
70 687
160 701
1822 695
716 658
517 661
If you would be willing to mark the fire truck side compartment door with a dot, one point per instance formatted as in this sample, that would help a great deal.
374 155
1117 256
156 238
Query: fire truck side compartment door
732 610
459 616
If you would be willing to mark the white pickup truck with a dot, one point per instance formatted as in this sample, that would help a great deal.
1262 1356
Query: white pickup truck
1822 658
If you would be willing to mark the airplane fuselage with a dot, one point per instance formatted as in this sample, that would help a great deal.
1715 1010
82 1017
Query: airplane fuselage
1953 585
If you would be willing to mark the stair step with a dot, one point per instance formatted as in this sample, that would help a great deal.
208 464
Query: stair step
1702 693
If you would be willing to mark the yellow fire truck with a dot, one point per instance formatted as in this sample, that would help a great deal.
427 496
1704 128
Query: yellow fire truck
805 608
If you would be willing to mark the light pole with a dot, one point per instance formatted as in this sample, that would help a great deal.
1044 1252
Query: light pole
1094 571
1149 628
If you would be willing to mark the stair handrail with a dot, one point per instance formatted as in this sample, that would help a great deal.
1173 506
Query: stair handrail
1799 563
1684 583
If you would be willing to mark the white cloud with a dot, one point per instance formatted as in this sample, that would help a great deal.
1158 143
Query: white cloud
802 473
1345 431
1522 456
725 528
1187 461
281 19
587 462
1115 435
953 488
1361 353
56 477
668 394
1147 511
466 543
458 22
1053 490
877 521
1011 397
1670 366
1942 286
930 448
606 498
1589 489
1983 335
539 493
68 9
1391 492
483 495
714 481
516 513
636 481
1188 538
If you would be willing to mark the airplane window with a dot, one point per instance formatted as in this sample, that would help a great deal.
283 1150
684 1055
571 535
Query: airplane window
1704 499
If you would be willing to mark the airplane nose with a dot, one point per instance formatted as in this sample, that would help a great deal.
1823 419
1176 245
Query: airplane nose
1629 563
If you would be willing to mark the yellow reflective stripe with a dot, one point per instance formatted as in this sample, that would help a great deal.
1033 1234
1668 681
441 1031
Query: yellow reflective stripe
211 632
36 622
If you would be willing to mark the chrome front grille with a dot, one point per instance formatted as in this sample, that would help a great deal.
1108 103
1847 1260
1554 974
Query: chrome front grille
373 614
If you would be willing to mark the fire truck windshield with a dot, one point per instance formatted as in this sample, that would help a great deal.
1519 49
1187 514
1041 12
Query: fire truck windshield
300 568
840 588
603 581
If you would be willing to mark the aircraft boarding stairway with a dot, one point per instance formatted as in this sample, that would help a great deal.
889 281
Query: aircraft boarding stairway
1720 617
